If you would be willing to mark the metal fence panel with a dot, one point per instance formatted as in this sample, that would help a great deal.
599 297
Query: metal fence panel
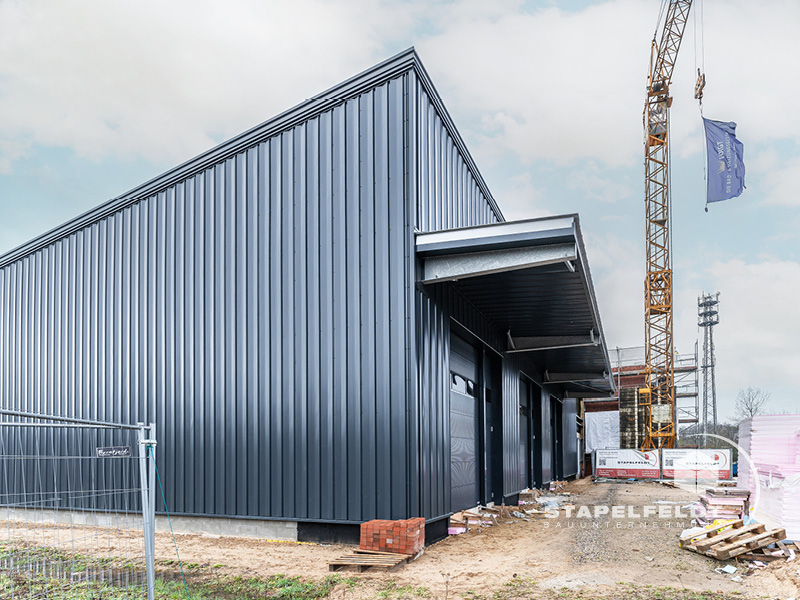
76 508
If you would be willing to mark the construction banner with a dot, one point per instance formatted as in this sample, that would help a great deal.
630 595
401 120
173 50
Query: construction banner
725 161
694 464
627 464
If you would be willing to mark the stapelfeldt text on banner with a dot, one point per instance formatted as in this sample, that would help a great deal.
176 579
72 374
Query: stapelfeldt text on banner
725 161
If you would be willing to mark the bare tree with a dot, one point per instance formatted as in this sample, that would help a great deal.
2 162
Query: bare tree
751 402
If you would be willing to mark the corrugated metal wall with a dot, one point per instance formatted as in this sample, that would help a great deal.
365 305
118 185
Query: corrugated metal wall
448 194
436 306
257 310
451 194
260 305
546 457
570 437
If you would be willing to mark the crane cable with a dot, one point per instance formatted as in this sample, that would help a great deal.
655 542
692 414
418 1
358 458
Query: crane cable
701 68
661 12
701 80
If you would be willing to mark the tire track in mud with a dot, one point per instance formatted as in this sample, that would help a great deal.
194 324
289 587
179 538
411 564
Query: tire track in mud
589 534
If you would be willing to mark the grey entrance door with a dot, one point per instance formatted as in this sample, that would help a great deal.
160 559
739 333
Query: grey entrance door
463 450
524 435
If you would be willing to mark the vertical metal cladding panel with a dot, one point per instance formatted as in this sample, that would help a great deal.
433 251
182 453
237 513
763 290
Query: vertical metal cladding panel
258 309
570 437
511 428
546 457
436 306
450 193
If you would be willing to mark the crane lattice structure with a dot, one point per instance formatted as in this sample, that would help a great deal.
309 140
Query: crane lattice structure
707 317
658 397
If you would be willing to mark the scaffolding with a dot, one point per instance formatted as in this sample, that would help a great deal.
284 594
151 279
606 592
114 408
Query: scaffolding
629 371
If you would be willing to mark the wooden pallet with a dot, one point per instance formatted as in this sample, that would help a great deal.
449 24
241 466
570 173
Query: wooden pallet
783 552
728 543
370 559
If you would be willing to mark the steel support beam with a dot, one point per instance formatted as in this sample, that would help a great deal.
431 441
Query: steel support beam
572 377
452 267
551 342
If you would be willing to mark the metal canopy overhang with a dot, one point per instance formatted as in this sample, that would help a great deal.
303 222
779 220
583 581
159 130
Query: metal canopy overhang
531 280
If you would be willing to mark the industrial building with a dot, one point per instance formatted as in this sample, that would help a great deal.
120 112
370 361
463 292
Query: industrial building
327 317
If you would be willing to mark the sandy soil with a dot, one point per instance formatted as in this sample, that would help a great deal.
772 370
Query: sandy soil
578 553
563 552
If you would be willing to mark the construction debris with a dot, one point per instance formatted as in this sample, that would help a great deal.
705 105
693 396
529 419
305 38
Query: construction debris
532 504
721 503
730 539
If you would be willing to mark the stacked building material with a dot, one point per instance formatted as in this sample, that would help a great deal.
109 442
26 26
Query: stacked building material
631 419
730 539
769 466
722 503
402 537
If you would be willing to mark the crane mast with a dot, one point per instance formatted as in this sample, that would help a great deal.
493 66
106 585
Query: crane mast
658 396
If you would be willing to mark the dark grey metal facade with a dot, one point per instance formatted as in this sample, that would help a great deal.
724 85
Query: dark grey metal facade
571 442
261 304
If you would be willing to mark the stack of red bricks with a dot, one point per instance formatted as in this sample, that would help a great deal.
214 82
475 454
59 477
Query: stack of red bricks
402 537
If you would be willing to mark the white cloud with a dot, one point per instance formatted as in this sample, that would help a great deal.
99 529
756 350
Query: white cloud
519 198
164 81
618 273
600 184
557 85
11 150
565 86
782 182
756 339
757 335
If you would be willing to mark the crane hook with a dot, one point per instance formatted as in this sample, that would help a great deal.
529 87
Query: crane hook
698 87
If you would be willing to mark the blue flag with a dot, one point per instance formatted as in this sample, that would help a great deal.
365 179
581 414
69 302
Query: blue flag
725 160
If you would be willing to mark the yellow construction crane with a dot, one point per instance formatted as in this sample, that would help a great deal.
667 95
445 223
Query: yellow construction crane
657 398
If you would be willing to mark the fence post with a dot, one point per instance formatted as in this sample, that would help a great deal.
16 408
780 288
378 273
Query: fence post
151 488
148 509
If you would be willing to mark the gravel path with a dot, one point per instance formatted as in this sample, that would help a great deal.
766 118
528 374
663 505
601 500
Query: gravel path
590 537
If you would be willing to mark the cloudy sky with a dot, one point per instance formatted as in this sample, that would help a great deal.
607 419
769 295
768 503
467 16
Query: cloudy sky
97 96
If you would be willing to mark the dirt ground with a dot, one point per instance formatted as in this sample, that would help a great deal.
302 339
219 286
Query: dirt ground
556 553
582 553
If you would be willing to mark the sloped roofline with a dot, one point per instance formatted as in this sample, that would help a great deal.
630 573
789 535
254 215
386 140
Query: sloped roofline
408 60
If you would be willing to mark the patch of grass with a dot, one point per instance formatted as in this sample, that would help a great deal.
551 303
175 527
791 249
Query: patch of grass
392 590
628 591
516 588
253 588
202 584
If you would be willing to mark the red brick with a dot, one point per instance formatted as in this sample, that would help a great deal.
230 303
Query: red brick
405 537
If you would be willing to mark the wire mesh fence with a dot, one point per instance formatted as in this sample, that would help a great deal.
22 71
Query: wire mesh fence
75 509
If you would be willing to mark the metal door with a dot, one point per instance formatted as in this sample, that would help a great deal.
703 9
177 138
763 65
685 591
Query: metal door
463 450
524 435
464 482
